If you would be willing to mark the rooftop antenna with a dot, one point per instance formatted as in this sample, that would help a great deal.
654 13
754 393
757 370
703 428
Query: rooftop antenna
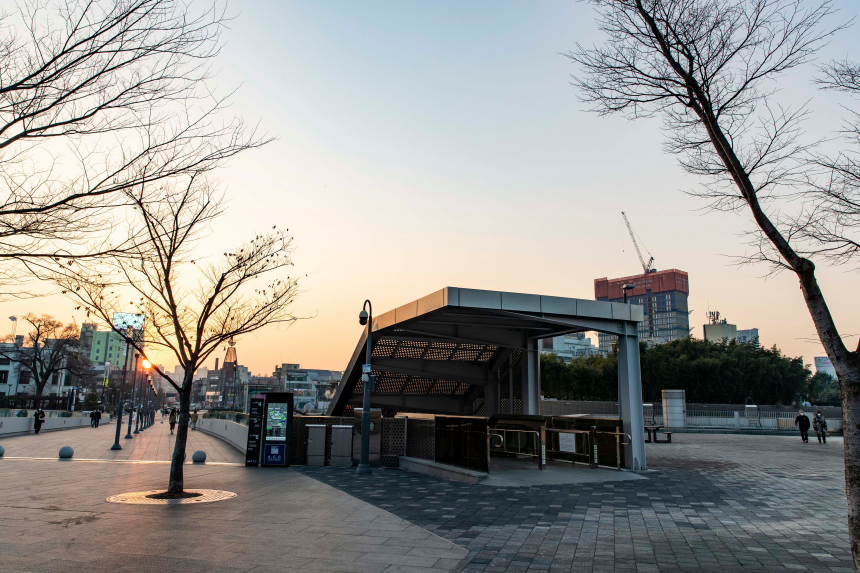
649 266
14 320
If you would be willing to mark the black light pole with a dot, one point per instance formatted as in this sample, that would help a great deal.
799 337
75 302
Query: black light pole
139 426
367 380
128 435
116 445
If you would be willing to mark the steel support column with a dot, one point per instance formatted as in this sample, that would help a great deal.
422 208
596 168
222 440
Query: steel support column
491 397
630 396
531 378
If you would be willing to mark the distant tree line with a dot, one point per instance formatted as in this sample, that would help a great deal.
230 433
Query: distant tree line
709 372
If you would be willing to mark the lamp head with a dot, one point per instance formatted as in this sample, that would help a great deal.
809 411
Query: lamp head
362 317
629 287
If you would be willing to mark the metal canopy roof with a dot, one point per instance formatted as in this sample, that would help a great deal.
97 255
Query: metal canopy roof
438 354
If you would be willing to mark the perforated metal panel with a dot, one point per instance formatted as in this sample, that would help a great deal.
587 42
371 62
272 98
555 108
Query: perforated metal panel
421 439
393 441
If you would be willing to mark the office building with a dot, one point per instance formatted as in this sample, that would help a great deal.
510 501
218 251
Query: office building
663 296
748 335
569 346
719 329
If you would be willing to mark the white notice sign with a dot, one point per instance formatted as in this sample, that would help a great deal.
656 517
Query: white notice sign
567 442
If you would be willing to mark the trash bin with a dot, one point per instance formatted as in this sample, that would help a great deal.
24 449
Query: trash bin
341 446
316 444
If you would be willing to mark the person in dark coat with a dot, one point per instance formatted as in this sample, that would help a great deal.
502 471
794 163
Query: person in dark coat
93 419
98 417
38 419
801 422
172 419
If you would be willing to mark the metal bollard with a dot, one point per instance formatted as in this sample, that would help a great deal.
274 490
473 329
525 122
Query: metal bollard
593 453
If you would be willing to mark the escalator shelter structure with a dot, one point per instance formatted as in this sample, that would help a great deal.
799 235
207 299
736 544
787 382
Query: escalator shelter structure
475 352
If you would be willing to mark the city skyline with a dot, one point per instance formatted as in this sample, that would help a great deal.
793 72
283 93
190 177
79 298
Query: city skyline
420 148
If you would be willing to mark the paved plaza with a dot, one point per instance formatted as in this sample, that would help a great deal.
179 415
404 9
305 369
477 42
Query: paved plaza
54 517
714 503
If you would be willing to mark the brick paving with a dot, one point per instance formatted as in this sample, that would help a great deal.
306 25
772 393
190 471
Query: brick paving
714 503
54 517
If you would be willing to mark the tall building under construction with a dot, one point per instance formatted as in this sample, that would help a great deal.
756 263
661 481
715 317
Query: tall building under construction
662 294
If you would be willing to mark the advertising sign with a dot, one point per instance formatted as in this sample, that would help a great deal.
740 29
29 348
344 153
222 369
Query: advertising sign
123 321
277 426
255 431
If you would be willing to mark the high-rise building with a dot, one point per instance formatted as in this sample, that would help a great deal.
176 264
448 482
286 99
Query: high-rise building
663 296
824 366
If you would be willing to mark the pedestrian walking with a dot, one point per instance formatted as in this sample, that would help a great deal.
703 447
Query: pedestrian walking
194 419
38 419
819 425
98 419
172 419
801 422
93 419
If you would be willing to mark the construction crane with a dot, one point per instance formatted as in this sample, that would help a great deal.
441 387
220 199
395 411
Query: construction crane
649 266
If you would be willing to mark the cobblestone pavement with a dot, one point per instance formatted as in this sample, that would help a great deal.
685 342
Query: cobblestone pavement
715 503
153 444
54 519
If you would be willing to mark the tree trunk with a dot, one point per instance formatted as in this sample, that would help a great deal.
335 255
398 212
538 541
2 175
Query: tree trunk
849 381
177 462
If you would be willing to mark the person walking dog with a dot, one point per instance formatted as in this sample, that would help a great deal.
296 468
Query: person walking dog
801 422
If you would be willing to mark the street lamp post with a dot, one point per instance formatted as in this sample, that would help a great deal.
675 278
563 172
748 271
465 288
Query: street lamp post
116 445
367 380
141 410
626 288
128 435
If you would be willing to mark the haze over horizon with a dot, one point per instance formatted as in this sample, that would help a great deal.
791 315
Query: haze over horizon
421 146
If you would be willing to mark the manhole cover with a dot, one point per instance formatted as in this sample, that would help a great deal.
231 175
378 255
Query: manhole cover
206 495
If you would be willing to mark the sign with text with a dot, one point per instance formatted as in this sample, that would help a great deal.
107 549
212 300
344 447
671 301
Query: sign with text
255 431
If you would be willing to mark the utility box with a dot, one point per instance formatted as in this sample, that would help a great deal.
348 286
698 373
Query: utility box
341 446
316 444
674 408
375 457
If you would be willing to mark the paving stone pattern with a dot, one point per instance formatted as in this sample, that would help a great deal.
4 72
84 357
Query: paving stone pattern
54 519
714 503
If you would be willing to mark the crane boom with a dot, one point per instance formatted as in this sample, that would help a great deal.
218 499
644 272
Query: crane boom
647 267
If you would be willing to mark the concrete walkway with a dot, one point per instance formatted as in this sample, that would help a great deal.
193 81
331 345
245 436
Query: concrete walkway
54 517
153 444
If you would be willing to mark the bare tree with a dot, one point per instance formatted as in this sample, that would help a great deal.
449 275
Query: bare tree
708 69
50 350
96 98
191 305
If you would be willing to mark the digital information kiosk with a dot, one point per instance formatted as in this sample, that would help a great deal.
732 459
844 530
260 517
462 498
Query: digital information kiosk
277 425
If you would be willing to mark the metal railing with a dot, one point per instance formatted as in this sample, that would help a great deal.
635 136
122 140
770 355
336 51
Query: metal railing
540 445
